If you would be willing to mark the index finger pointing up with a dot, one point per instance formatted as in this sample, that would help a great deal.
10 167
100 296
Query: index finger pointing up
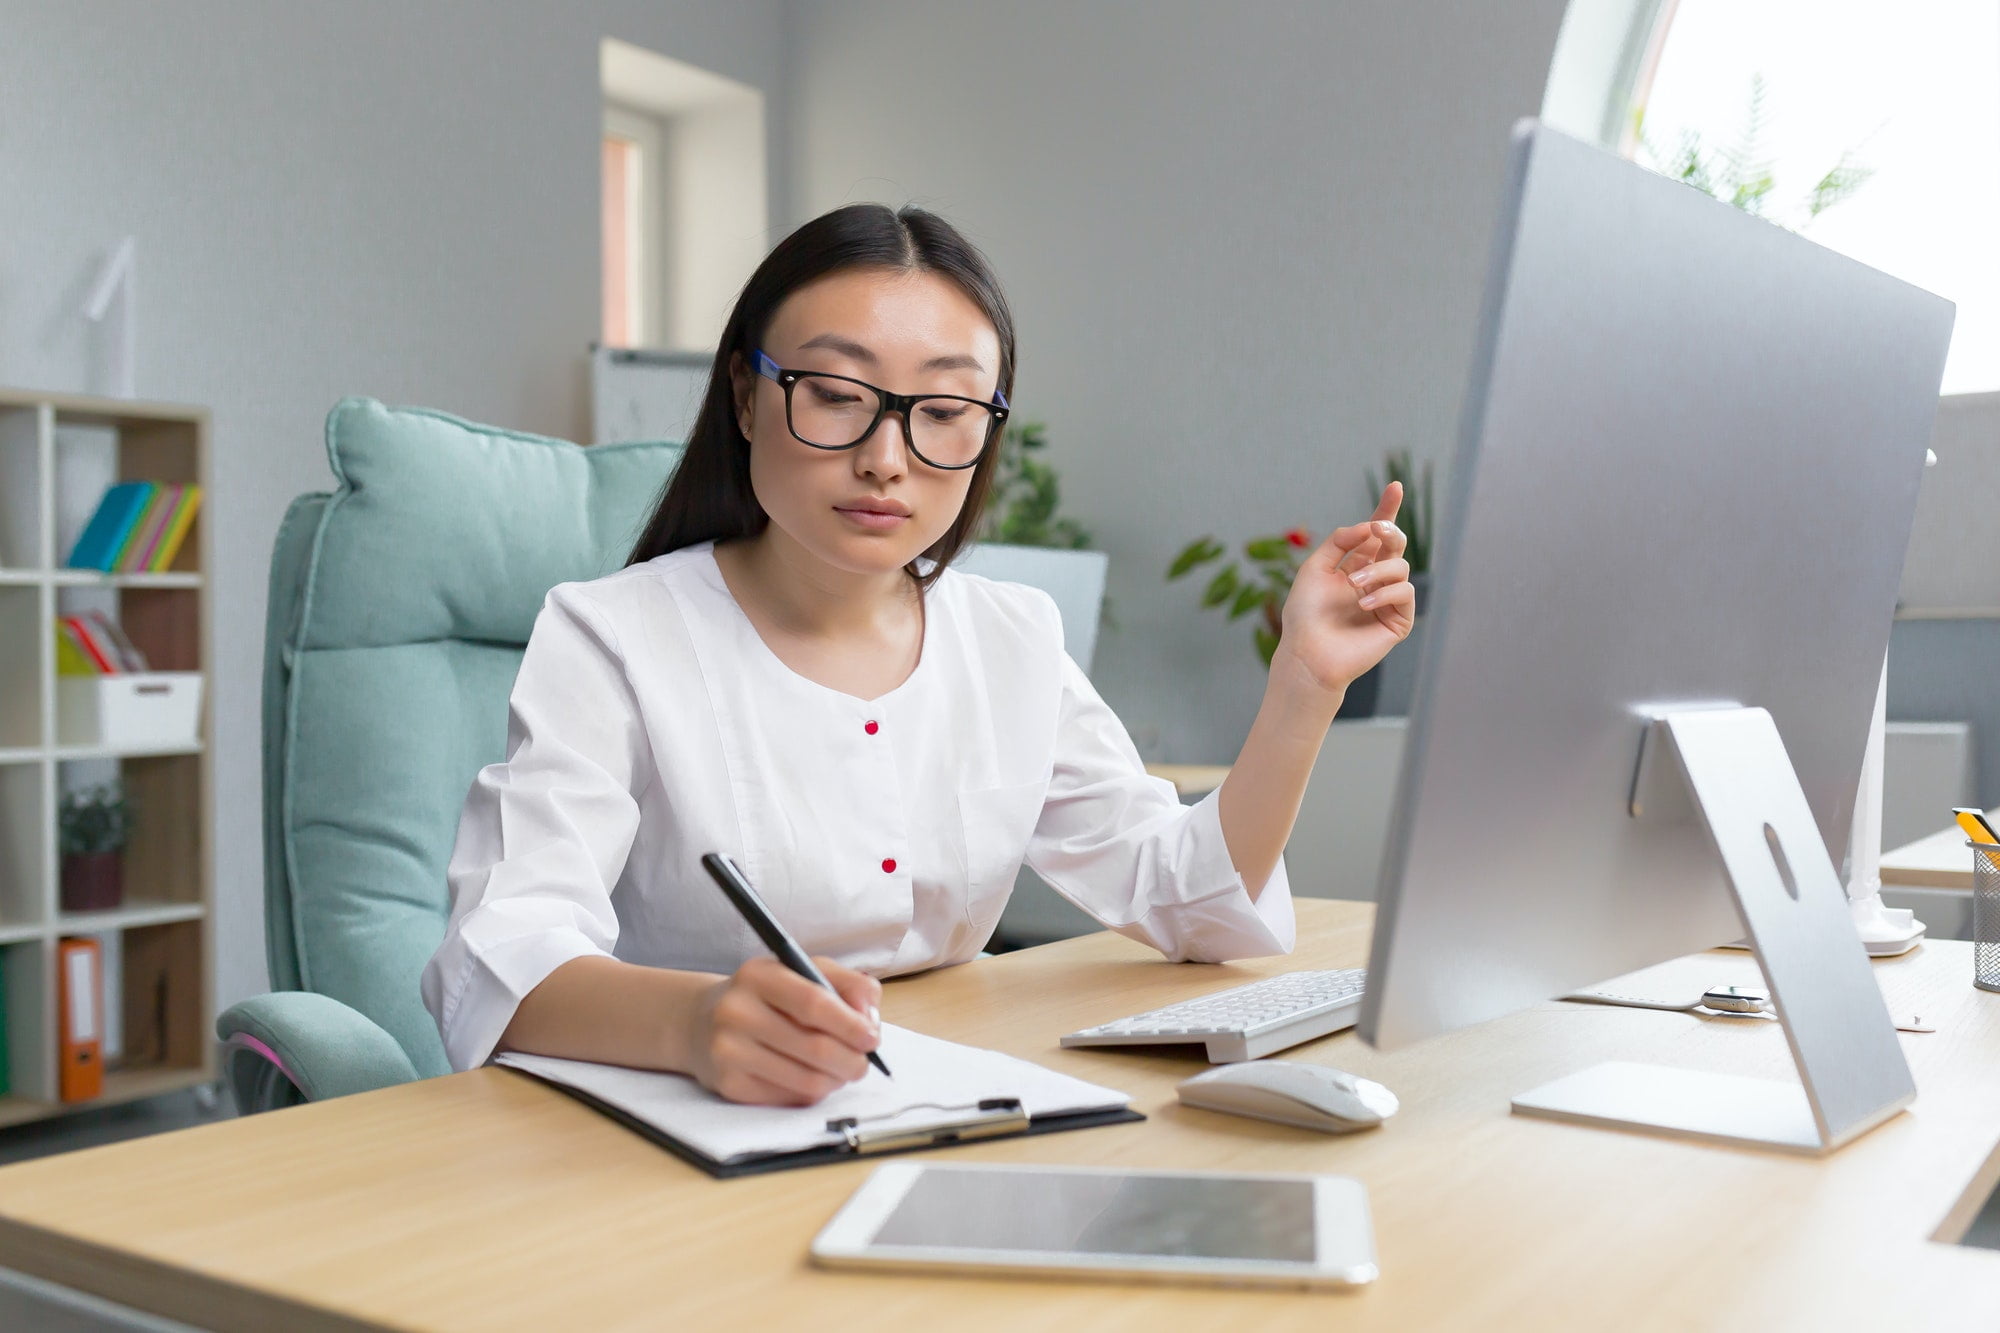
1391 501
1356 535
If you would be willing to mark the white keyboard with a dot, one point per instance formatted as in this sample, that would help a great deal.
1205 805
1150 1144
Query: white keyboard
1244 1022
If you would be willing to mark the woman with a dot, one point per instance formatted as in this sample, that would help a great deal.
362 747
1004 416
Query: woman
790 671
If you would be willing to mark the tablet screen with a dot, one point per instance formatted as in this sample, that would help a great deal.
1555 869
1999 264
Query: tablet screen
1107 1213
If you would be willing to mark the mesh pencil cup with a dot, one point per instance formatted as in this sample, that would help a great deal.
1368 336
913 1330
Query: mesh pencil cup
1985 916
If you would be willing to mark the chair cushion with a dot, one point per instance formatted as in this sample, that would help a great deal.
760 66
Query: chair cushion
422 581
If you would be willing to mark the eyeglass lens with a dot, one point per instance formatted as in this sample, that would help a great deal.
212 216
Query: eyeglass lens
835 413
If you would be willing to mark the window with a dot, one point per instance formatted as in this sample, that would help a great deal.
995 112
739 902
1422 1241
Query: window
631 176
1901 102
684 198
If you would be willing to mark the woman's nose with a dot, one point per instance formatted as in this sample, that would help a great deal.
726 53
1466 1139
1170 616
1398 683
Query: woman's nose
886 451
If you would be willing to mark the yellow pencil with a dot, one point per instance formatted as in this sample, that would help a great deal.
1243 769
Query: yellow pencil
1978 830
1975 826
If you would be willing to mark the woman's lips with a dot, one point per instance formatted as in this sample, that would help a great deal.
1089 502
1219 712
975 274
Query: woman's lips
872 520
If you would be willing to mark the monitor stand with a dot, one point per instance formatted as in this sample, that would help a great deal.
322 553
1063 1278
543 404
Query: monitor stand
1852 1075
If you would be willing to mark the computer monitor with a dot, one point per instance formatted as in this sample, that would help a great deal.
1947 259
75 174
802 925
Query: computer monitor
1687 474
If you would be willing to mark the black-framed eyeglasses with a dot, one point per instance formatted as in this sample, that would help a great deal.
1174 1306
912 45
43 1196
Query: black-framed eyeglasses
839 412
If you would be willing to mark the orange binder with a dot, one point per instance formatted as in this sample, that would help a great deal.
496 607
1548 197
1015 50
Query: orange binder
80 1010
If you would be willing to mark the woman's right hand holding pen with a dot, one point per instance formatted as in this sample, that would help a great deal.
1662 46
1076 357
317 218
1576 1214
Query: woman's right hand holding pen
768 1035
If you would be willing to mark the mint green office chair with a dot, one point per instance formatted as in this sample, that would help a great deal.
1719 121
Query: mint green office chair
399 607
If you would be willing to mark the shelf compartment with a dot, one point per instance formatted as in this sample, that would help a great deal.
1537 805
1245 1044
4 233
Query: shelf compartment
165 451
27 983
94 451
26 827
163 619
164 624
23 493
163 860
21 683
162 984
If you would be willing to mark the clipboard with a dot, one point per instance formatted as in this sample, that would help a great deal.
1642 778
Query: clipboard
992 1118
943 1094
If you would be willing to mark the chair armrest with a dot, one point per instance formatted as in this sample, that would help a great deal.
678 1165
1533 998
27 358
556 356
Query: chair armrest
298 1046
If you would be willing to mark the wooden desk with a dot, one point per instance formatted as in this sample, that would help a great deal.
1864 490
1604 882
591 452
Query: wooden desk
485 1201
1191 781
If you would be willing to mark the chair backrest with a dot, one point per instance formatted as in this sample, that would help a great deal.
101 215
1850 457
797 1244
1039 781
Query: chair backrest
399 607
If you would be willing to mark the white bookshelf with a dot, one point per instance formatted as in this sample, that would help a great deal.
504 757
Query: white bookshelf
57 454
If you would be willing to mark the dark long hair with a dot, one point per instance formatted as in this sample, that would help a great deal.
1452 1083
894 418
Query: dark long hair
709 496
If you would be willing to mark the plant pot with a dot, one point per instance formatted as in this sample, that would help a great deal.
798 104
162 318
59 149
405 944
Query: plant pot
1398 670
1075 579
92 881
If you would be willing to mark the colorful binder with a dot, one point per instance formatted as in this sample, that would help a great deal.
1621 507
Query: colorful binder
77 631
72 658
130 541
177 527
80 1013
152 526
109 528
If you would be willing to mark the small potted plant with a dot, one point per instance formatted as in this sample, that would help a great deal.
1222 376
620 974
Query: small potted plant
95 824
1022 539
1026 494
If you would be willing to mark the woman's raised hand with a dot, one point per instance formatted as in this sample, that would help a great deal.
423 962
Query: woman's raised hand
770 1036
1351 602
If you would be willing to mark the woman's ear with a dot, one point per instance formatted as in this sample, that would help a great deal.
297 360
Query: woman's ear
742 385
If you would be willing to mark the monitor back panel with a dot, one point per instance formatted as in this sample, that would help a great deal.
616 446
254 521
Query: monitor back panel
1687 473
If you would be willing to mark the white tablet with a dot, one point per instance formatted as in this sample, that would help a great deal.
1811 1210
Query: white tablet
1165 1226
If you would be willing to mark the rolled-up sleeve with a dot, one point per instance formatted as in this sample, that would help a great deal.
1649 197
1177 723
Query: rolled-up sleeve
1118 843
544 834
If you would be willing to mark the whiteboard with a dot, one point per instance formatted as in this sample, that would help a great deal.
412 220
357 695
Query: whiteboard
640 394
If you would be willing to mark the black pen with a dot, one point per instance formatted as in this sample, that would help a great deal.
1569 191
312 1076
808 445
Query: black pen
736 887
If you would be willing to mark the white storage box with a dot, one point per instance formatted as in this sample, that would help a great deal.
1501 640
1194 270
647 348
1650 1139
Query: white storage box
137 710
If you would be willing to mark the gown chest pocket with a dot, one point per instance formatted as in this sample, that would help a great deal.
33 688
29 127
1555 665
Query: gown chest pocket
996 822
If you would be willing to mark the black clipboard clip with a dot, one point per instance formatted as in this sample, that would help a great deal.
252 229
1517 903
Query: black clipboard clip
990 1118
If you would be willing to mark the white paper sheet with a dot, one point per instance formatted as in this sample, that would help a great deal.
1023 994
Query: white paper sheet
936 1082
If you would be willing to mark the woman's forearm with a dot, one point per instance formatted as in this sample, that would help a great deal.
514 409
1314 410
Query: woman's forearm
1260 798
611 1012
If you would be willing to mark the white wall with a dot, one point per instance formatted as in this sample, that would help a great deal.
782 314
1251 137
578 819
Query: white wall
1244 244
330 197
1953 566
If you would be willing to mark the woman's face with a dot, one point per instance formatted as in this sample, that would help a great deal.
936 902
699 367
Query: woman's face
873 508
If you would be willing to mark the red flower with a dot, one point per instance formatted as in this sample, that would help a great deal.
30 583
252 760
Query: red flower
1298 537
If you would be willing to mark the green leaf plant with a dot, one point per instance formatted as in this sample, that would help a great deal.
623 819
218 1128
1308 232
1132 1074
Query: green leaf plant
93 821
1026 495
1740 171
1256 582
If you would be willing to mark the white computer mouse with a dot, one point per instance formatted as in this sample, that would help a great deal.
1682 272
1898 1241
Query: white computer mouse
1310 1096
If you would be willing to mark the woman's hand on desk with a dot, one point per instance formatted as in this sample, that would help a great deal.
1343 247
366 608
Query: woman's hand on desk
770 1036
1351 602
